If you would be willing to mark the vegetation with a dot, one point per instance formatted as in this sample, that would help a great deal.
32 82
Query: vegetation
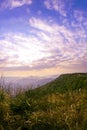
55 106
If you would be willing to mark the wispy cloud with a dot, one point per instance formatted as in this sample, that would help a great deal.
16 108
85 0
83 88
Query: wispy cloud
67 46
21 50
14 3
58 5
43 36
48 46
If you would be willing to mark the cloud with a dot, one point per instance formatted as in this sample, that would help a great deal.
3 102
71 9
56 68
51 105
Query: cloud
40 24
14 3
59 5
47 45
21 50
70 45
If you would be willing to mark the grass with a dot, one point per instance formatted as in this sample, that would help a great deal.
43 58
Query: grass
67 111
32 110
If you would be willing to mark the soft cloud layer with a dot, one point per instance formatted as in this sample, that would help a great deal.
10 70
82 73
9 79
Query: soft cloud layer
49 46
51 40
14 3
59 5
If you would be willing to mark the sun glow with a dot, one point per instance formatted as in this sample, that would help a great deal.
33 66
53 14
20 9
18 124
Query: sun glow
24 50
29 55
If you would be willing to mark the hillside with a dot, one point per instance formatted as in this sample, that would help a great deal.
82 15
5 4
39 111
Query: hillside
50 107
64 83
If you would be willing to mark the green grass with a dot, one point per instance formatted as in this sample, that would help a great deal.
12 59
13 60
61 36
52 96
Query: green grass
46 108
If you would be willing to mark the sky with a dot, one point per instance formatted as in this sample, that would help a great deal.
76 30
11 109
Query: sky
43 37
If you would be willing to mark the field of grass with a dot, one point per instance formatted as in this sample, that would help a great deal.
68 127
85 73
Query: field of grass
41 109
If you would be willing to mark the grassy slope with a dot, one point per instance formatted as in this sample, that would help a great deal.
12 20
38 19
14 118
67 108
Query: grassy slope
50 107
68 82
65 82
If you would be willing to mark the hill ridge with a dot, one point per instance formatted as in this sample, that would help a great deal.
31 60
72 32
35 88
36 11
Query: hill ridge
63 83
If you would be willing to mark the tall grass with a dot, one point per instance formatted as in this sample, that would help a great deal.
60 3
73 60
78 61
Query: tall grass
51 111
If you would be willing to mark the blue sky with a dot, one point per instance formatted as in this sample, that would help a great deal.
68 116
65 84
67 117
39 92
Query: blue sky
43 37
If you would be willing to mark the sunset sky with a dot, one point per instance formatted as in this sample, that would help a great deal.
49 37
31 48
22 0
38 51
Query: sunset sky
43 37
